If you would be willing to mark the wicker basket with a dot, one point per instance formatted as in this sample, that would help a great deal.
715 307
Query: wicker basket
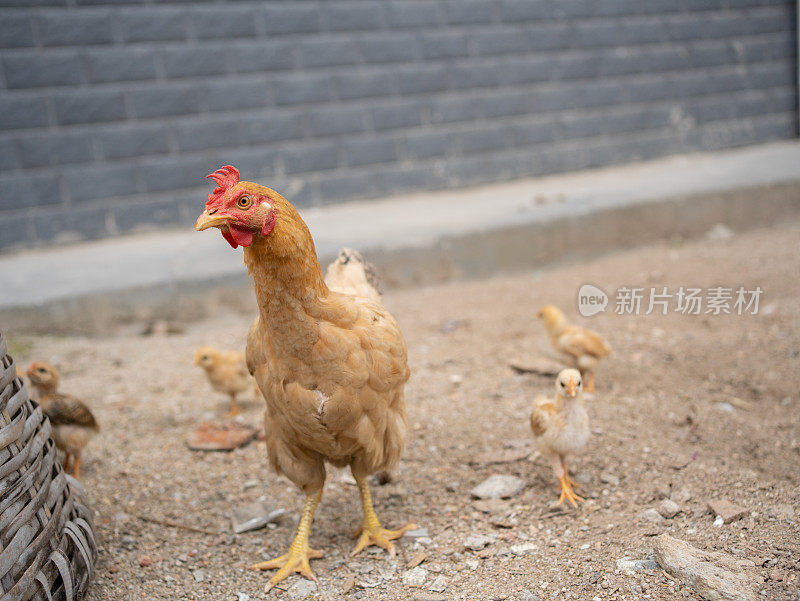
47 544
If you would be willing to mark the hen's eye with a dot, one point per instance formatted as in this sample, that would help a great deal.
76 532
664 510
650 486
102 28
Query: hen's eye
42 370
244 202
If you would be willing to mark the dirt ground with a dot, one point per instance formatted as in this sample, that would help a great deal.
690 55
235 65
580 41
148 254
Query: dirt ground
696 407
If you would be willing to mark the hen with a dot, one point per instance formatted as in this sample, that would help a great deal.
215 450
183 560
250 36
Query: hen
581 347
331 366
73 423
561 427
226 372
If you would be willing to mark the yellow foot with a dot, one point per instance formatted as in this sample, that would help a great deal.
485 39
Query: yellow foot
233 413
289 563
567 492
380 537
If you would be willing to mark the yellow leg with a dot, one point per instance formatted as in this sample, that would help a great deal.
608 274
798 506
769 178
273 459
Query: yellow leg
296 560
76 466
372 533
567 492
589 383
234 407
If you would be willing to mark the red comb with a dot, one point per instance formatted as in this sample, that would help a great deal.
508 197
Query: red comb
224 178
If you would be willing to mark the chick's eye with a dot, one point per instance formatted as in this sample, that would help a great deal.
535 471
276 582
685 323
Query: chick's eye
42 370
563 385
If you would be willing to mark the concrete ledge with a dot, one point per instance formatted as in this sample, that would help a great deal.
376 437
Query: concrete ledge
181 274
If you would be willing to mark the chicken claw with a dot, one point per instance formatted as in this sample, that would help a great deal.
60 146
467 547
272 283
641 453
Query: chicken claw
297 559
372 533
567 492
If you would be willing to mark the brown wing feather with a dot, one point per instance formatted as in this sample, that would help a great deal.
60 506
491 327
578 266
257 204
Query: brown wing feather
579 341
543 410
63 409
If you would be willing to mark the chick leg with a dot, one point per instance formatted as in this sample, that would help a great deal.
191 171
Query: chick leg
296 560
234 406
66 465
567 492
588 381
372 533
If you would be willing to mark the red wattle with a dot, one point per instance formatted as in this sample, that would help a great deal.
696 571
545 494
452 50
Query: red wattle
243 236
229 239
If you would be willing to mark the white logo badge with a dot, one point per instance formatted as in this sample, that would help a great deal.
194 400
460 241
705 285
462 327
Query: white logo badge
591 300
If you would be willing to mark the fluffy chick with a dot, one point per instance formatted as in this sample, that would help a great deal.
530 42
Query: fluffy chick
582 347
73 423
226 372
561 427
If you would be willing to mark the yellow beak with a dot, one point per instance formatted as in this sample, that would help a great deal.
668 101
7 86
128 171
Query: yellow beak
206 221
572 388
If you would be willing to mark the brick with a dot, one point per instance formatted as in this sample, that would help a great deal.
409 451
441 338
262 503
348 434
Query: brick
156 24
446 109
311 156
503 104
648 30
255 161
526 70
16 230
227 21
125 141
15 31
42 149
33 69
88 106
476 74
25 190
126 64
66 224
483 138
338 119
347 186
261 55
367 151
772 21
444 44
324 52
233 94
531 131
600 33
195 61
364 83
419 13
199 134
500 41
576 66
173 173
300 88
768 49
83 28
393 179
712 54
290 17
767 75
514 11
273 126
463 12
389 47
21 112
428 144
8 154
95 182
393 114
353 16
164 99
146 214
550 36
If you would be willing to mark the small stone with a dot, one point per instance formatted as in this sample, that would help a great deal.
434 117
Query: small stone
423 596
418 533
523 548
251 483
626 565
683 495
728 511
668 508
456 379
348 585
609 478
528 595
776 575
415 576
651 515
439 585
199 575
129 543
253 516
719 232
242 596
145 561
302 589
712 575
662 490
718 522
498 486
476 542
783 512
417 559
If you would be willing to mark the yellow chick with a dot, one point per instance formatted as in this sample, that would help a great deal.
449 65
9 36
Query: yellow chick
226 372
582 347
561 427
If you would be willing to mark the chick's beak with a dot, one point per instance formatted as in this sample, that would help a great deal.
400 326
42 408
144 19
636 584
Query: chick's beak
207 220
572 388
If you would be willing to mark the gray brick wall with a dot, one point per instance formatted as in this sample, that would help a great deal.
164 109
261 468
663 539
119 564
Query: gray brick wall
112 112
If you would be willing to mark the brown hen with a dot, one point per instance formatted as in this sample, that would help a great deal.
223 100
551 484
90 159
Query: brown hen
331 366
